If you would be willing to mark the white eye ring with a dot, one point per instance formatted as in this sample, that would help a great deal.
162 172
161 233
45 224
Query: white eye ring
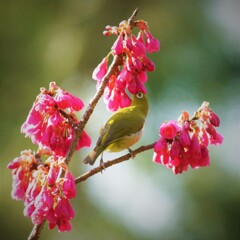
139 95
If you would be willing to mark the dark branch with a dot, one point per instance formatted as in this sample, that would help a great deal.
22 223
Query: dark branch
131 19
107 164
35 233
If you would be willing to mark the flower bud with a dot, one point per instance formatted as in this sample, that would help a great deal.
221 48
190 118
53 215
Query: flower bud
148 64
214 119
169 129
101 70
118 45
175 149
152 43
185 139
69 187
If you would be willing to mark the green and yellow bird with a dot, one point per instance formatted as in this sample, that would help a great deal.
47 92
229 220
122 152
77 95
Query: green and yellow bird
122 130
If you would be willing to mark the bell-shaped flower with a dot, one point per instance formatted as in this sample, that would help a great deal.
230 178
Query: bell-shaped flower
101 70
169 129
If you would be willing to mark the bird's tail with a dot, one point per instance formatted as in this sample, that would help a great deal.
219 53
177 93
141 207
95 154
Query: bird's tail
91 157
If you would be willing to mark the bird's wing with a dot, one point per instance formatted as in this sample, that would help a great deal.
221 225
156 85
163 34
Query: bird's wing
115 129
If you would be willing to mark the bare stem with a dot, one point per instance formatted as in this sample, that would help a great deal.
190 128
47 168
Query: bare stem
131 19
110 163
35 233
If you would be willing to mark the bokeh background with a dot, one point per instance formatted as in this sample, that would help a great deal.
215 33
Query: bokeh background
62 41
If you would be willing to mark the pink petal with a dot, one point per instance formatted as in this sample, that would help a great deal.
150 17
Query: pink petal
148 64
161 145
101 70
84 140
205 160
185 139
142 76
66 100
175 149
69 187
138 47
118 45
214 119
152 43
114 101
169 129
64 226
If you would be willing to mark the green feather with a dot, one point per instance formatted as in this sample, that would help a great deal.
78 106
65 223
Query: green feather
123 129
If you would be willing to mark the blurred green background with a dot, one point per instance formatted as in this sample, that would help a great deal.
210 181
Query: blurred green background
62 41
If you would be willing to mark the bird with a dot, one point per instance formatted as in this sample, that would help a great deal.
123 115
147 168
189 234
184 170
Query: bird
122 130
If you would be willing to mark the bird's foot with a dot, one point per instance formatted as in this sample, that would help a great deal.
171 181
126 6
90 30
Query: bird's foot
131 152
102 164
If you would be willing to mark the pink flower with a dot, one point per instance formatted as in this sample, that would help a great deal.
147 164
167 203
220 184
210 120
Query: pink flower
118 45
137 64
161 146
60 215
64 226
215 138
64 210
204 137
114 100
84 141
185 139
66 100
152 43
47 124
161 153
19 188
101 70
175 149
125 100
131 74
140 37
34 188
44 189
21 167
185 143
142 76
169 129
138 47
53 173
148 64
43 203
194 153
214 119
205 160
69 187
181 167
63 213
120 84
125 75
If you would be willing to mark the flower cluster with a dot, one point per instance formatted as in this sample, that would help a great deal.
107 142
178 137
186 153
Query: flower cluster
184 143
44 188
49 125
131 75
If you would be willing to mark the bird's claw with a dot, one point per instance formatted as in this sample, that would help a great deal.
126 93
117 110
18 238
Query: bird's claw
131 153
102 164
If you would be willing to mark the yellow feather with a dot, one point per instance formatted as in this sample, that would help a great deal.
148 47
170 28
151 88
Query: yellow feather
123 129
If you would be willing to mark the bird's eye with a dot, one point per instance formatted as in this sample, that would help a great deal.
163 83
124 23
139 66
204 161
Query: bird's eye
139 95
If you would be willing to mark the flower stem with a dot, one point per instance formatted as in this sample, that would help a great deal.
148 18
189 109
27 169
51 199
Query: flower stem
110 163
35 233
